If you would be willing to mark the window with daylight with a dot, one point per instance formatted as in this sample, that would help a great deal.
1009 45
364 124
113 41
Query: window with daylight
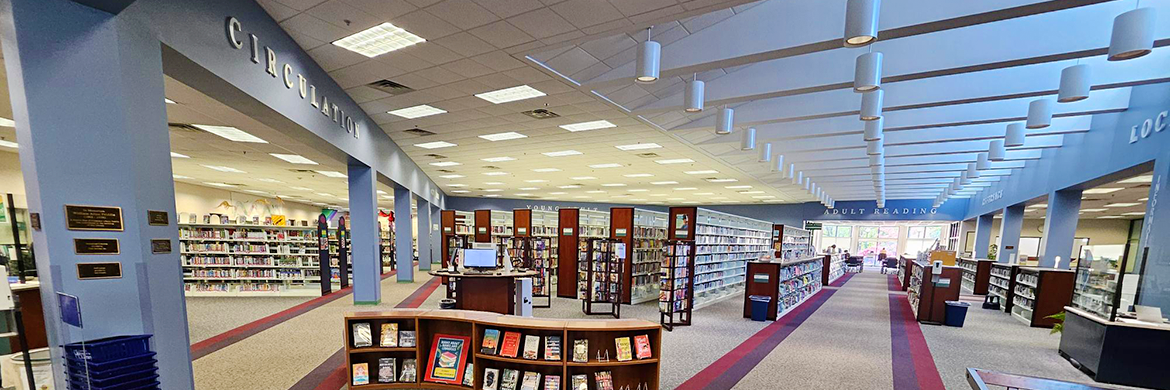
872 240
841 236
920 238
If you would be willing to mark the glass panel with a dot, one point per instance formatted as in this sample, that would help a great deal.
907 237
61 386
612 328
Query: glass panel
867 232
888 232
866 247
934 232
1096 283
890 247
830 231
917 232
845 231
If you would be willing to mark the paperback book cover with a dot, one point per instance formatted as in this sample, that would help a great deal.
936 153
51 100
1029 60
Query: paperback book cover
642 346
552 348
509 379
361 335
469 375
491 378
604 380
552 382
409 371
510 346
491 342
624 351
531 346
531 381
390 334
406 338
386 370
361 374
580 351
447 359
580 382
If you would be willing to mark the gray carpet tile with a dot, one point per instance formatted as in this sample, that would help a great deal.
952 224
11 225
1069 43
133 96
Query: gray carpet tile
210 316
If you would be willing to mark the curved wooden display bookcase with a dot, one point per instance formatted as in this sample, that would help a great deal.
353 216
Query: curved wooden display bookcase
601 336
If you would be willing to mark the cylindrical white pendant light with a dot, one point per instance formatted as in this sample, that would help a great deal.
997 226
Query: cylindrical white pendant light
877 169
874 147
649 58
861 22
964 178
1039 114
982 162
877 159
871 105
724 121
693 95
749 139
1014 135
867 75
958 184
1133 34
807 183
996 150
1074 84
779 166
792 172
799 178
873 129
766 152
972 172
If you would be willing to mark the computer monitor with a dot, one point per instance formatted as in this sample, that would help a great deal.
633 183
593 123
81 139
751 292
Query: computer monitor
479 258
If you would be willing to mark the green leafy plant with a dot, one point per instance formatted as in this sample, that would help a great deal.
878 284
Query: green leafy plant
992 251
1059 326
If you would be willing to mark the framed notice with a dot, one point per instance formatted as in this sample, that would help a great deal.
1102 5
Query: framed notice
110 270
447 359
158 218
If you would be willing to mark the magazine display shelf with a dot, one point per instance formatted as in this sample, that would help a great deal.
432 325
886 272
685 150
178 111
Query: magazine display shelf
601 336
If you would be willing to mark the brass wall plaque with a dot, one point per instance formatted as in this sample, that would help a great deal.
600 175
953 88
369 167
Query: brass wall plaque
87 271
96 246
158 218
160 246
93 218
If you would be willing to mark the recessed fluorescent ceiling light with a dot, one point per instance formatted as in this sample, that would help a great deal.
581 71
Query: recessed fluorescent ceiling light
1143 199
498 159
639 190
381 192
613 185
562 153
451 176
418 111
218 184
177 155
445 164
606 165
595 192
644 146
751 192
1092 210
675 161
456 185
268 180
7 122
536 181
332 173
558 193
460 191
301 188
583 178
1122 204
737 187
495 173
1139 179
293 158
503 136
1037 206
663 183
1101 190
546 170
676 198
325 194
231 133
685 188
378 40
722 180
8 144
570 186
657 194
493 183
703 172
435 145
510 94
169 101
492 196
223 168
522 194
1135 213
704 193
492 190
586 126
638 175
527 188
180 177
1110 217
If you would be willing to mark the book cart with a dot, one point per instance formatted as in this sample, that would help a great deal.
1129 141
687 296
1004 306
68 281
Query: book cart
556 354
676 294
599 276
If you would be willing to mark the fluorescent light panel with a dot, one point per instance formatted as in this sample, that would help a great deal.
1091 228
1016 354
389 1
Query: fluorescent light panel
546 170
703 172
503 136
495 173
606 165
1122 204
451 176
378 40
418 111
583 178
638 175
435 145
498 159
586 126
1101 190
178 155
332 174
293 158
231 133
445 164
218 184
1138 179
674 161
644 146
512 94
562 153
223 168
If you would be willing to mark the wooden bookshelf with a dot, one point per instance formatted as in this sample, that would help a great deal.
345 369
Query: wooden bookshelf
601 336
928 300
976 274
1001 282
788 284
567 237
644 233
1039 293
791 243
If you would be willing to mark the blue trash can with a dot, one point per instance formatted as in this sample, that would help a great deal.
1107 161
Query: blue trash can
760 307
956 313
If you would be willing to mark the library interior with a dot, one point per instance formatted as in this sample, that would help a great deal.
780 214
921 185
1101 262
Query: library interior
544 194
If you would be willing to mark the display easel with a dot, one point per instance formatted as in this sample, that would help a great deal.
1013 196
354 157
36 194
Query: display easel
676 296
601 271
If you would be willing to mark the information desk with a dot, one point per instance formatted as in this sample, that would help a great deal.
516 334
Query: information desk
1130 353
787 284
462 335
494 292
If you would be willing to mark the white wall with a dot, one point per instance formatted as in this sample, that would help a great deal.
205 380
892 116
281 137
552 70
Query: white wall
200 200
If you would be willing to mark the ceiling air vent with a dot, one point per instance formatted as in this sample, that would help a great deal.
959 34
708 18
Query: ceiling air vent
446 171
389 87
184 127
419 132
438 156
648 155
490 167
541 113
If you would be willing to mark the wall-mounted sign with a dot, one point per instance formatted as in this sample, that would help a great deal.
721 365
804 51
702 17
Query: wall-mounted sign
680 233
93 218
158 218
34 220
883 211
160 246
1148 127
70 309
994 196
279 220
96 246
812 225
90 271
538 207
567 231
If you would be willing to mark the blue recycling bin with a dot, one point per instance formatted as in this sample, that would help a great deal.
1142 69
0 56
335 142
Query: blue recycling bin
760 307
956 313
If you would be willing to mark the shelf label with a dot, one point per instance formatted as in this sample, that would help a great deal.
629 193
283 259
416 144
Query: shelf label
482 230
96 246
521 230
760 278
567 231
158 218
446 229
160 246
619 232
89 271
680 233
93 218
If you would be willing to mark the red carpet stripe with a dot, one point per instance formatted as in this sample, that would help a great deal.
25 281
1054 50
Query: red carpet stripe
222 340
913 365
726 372
332 374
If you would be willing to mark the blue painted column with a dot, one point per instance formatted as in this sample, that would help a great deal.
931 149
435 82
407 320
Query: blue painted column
87 97
363 234
1009 232
983 235
436 235
424 234
403 245
1060 227
1153 249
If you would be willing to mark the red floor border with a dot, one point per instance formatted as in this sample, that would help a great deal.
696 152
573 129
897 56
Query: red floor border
910 350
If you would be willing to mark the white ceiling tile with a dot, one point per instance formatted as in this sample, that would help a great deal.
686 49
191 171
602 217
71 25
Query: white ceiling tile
697 4
552 87
471 102
610 26
498 60
657 15
709 19
331 57
404 61
464 44
444 92
608 46
572 61
501 34
585 13
414 81
541 23
468 68
306 42
364 94
527 75
498 81
300 5
563 37
622 58
423 3
589 73
464 14
439 75
367 72
278 11
425 25
469 87
316 28
630 8
433 53
510 8
341 14
384 9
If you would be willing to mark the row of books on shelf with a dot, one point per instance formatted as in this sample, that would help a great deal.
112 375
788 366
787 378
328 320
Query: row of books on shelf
704 268
722 257
792 271
730 231
593 231
1028 279
1022 302
649 232
222 247
388 371
730 240
646 268
703 278
721 281
715 249
508 344
648 256
389 336
220 219
226 287
246 234
1002 272
245 273
242 261
796 296
509 379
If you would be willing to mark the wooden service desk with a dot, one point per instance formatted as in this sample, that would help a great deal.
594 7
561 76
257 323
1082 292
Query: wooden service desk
493 292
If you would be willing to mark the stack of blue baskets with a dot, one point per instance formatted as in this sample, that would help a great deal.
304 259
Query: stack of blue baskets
113 363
